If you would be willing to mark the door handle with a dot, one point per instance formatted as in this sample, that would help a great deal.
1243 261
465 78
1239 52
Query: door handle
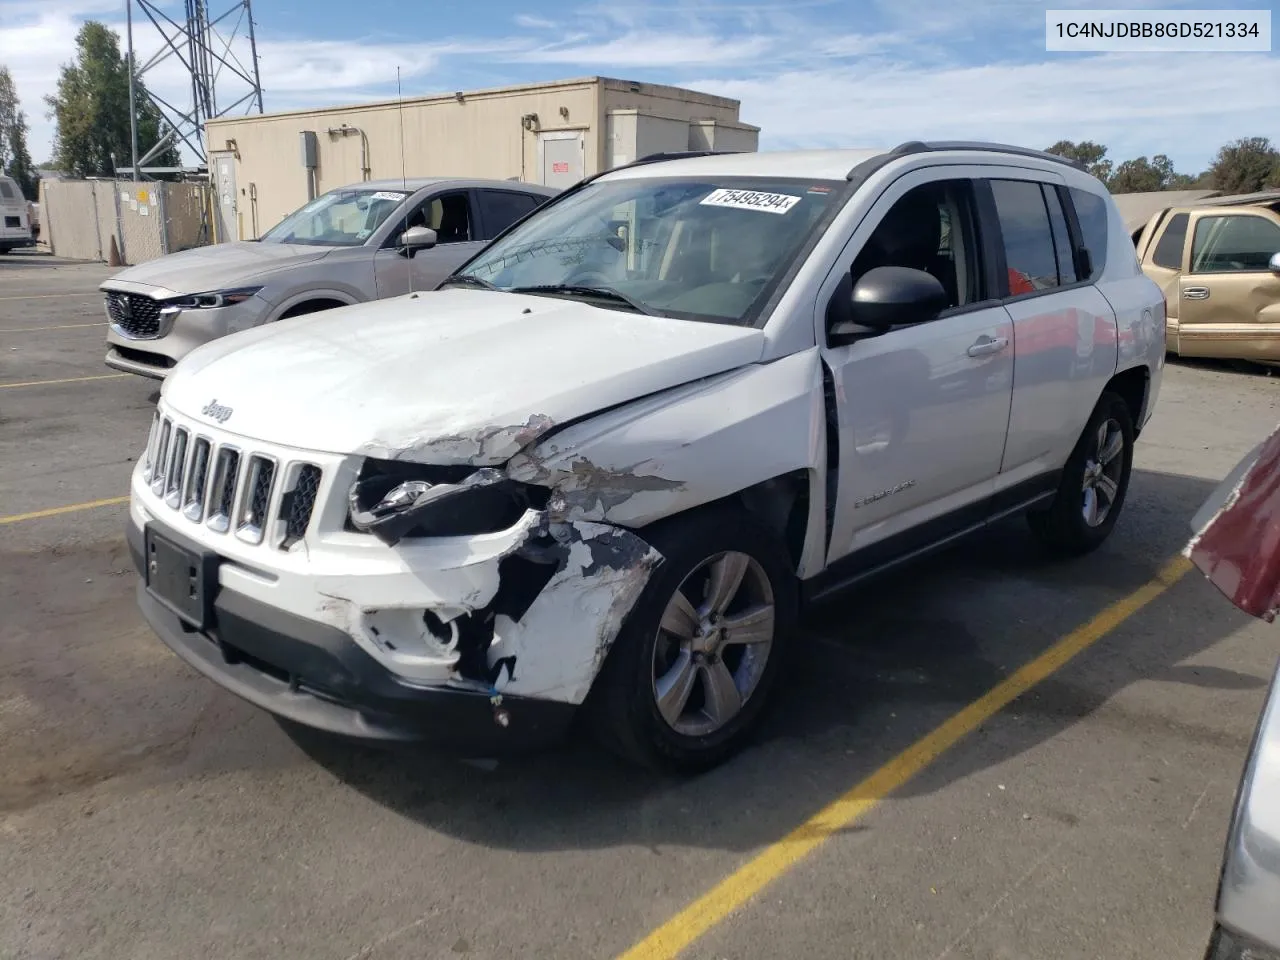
1195 293
987 346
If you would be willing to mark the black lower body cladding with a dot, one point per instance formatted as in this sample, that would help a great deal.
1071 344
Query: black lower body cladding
317 676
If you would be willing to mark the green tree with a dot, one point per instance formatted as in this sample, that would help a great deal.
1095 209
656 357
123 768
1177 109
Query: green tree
1143 176
15 159
1137 176
1246 165
1092 155
91 110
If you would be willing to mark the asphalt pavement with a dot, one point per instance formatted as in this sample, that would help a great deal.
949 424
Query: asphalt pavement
145 813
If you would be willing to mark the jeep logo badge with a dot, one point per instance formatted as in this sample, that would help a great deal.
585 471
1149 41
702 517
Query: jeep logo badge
216 411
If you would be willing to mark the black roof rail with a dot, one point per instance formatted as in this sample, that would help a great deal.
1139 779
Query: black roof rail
870 166
677 155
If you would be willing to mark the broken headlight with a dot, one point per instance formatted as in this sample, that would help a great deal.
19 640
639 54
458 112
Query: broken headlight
394 500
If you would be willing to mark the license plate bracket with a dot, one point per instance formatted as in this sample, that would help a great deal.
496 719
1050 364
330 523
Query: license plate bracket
181 578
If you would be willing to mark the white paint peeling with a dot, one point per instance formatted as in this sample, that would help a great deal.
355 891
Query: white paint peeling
561 642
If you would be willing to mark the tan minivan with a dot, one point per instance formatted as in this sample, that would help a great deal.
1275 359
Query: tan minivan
1218 263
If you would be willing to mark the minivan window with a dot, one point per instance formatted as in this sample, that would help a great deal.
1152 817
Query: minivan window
1234 244
7 191
1028 238
1091 212
697 248
1168 252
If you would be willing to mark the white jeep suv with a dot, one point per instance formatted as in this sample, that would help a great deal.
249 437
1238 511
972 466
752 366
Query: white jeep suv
602 468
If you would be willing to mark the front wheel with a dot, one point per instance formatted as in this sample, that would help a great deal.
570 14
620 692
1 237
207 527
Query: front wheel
1094 483
694 664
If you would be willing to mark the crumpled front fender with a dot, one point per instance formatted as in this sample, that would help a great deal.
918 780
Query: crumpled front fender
558 646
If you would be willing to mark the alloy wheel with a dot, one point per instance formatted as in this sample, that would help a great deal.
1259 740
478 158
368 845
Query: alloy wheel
713 644
1102 472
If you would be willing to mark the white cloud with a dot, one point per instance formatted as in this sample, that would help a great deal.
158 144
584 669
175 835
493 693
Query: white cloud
1111 99
534 23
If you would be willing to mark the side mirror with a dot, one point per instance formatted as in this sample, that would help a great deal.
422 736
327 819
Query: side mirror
1274 265
417 238
887 297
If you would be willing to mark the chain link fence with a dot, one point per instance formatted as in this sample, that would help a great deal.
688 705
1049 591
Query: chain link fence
86 219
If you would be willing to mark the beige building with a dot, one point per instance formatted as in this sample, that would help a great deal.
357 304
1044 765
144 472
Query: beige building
265 166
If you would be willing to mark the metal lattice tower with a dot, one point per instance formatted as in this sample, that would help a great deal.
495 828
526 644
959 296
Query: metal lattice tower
206 46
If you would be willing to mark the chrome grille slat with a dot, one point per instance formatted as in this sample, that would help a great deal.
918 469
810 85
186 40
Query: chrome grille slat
162 457
150 455
193 498
177 469
222 494
259 481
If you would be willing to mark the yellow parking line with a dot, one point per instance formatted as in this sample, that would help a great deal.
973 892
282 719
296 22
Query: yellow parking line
59 511
60 326
43 383
668 940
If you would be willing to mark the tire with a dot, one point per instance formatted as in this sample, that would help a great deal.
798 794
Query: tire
1065 526
623 706
4 250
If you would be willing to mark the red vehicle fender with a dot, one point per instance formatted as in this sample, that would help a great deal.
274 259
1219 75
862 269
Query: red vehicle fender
1236 541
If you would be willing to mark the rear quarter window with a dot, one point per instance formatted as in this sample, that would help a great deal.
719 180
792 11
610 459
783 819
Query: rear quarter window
7 192
1091 212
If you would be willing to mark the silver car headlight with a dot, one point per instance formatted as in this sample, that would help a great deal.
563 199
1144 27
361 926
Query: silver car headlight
211 300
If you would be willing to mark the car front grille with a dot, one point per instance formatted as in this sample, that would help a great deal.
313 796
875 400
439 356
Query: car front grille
227 489
134 315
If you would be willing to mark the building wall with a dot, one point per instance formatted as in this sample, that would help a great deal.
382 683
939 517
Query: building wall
646 118
481 135
476 134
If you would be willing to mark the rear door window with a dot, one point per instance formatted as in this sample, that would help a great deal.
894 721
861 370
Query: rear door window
501 208
1168 253
1028 237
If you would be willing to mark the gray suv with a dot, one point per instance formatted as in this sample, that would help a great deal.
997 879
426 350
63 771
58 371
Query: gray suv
366 241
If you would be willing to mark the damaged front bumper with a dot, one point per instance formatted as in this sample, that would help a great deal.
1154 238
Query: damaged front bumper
491 651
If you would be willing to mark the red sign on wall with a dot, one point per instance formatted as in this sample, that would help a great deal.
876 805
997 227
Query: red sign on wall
560 168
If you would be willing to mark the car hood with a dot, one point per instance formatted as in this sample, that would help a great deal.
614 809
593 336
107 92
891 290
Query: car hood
452 376
219 266
1236 540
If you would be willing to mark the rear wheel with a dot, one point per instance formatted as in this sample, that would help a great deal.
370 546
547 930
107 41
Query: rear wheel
693 666
1094 483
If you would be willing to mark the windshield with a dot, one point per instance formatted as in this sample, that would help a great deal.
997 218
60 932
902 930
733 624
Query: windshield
704 249
341 218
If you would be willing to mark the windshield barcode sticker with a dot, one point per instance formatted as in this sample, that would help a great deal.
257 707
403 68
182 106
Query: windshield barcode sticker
389 195
750 200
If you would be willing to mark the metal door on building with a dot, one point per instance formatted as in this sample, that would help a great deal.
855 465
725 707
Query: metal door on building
224 172
562 158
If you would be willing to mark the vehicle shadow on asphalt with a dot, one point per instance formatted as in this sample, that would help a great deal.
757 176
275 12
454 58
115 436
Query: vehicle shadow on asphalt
877 670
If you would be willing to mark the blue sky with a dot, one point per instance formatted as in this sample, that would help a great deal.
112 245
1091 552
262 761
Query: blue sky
811 73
